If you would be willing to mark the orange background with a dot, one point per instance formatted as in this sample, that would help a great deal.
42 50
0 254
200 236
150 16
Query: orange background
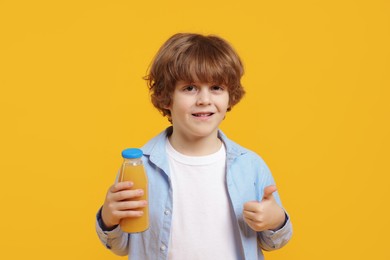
317 110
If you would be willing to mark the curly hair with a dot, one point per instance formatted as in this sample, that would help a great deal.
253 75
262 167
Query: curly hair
191 58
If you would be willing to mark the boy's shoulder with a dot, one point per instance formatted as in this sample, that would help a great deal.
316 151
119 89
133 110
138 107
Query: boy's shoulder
235 149
244 159
157 143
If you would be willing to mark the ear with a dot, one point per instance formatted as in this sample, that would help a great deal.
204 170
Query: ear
167 110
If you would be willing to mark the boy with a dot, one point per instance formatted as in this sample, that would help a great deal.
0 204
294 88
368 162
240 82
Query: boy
209 197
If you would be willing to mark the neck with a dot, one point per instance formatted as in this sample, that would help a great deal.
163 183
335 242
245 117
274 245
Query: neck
195 146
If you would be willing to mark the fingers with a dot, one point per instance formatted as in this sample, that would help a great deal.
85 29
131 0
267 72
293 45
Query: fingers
268 192
250 215
122 191
131 205
121 186
113 211
257 216
255 221
126 195
127 209
252 206
257 206
253 215
129 214
253 210
122 201
265 214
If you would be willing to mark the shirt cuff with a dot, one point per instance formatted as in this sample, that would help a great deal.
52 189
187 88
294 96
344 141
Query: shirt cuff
101 223
273 233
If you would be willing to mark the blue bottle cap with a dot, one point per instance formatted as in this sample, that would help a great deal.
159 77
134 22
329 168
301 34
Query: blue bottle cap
132 153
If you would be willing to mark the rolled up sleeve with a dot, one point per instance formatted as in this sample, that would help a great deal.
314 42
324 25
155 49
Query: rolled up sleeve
271 240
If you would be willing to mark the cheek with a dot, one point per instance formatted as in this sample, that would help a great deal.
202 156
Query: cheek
182 102
224 103
178 108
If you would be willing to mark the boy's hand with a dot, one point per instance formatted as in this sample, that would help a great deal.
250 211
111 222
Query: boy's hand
120 203
266 214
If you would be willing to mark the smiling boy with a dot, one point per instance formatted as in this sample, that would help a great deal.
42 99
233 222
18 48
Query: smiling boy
209 197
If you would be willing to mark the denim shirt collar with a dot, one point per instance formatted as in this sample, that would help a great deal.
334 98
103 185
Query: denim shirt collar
155 149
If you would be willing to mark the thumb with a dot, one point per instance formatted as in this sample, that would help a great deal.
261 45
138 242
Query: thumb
268 191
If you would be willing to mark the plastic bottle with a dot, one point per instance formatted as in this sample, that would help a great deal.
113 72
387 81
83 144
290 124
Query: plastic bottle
133 170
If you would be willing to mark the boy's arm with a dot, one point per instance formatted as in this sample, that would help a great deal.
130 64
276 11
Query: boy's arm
269 220
116 240
119 203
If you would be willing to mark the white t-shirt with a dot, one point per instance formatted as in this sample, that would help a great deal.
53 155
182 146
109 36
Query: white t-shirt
202 219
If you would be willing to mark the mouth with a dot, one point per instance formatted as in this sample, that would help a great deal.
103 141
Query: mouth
202 114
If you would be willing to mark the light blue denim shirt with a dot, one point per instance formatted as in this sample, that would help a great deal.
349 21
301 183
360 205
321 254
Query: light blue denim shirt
246 177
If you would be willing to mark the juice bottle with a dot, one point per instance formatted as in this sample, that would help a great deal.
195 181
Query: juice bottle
133 170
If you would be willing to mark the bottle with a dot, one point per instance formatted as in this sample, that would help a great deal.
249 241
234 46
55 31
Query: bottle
133 170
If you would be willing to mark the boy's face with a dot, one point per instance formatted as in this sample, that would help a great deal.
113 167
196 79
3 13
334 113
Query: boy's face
198 108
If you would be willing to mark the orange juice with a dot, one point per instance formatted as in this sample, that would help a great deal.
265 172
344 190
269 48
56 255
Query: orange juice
133 170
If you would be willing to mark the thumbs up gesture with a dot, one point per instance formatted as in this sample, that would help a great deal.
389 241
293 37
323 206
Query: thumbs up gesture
266 214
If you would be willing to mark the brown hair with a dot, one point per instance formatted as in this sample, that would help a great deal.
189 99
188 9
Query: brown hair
190 58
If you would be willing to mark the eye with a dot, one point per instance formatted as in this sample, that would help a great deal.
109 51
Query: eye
189 88
217 88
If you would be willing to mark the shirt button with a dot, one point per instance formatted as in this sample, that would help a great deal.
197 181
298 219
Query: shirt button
166 212
163 248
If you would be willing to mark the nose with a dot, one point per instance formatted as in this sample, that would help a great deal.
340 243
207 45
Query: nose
204 97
